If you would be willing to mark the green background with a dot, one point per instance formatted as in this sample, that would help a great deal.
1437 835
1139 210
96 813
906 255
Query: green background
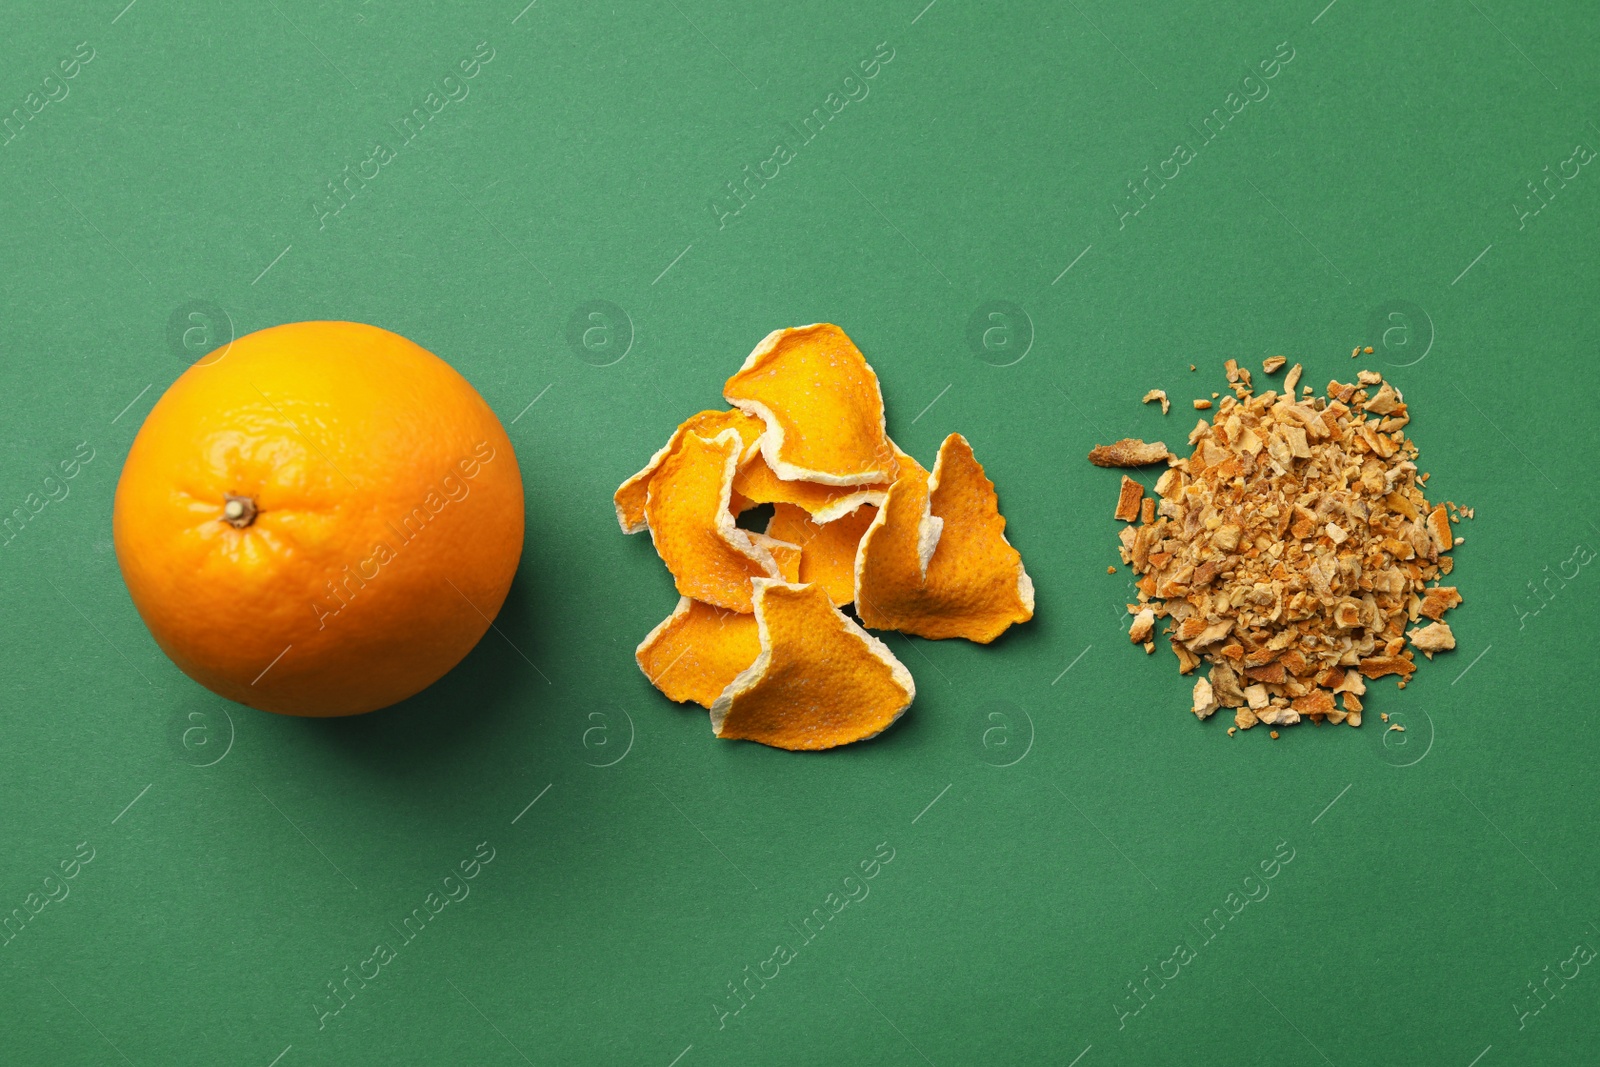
1081 822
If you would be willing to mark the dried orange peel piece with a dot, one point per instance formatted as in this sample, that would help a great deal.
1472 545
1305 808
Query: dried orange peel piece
936 562
694 653
820 402
819 681
974 571
827 551
631 495
785 553
893 556
758 637
687 512
758 484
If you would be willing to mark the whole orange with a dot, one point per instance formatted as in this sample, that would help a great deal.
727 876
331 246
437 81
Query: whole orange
319 519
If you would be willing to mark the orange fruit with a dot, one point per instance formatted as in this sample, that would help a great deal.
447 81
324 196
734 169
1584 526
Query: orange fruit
321 519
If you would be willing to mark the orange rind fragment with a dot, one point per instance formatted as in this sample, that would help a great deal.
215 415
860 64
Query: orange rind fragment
827 551
819 681
696 651
757 636
1128 500
821 404
631 495
935 562
786 554
710 558
757 483
893 555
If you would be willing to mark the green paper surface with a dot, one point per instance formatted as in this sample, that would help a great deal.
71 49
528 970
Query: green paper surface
1048 824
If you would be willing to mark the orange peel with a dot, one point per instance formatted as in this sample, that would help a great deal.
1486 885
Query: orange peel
819 680
694 653
892 559
827 550
785 553
757 483
693 530
935 562
758 637
632 495
821 405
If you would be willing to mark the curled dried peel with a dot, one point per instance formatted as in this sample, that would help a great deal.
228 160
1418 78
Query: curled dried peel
785 553
757 483
710 558
974 571
696 651
827 551
821 405
632 495
970 583
894 551
758 637
819 681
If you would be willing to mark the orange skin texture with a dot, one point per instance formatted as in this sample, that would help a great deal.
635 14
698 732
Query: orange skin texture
374 466
820 680
821 404
632 495
888 574
786 554
974 587
757 483
978 576
697 651
693 529
753 483
828 551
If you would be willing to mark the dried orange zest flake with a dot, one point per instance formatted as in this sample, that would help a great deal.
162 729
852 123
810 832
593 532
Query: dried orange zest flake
819 681
821 405
631 496
697 650
935 562
828 551
1128 452
1128 499
710 558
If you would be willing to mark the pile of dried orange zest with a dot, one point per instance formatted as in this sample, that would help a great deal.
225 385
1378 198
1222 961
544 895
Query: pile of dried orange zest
1290 551
758 636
